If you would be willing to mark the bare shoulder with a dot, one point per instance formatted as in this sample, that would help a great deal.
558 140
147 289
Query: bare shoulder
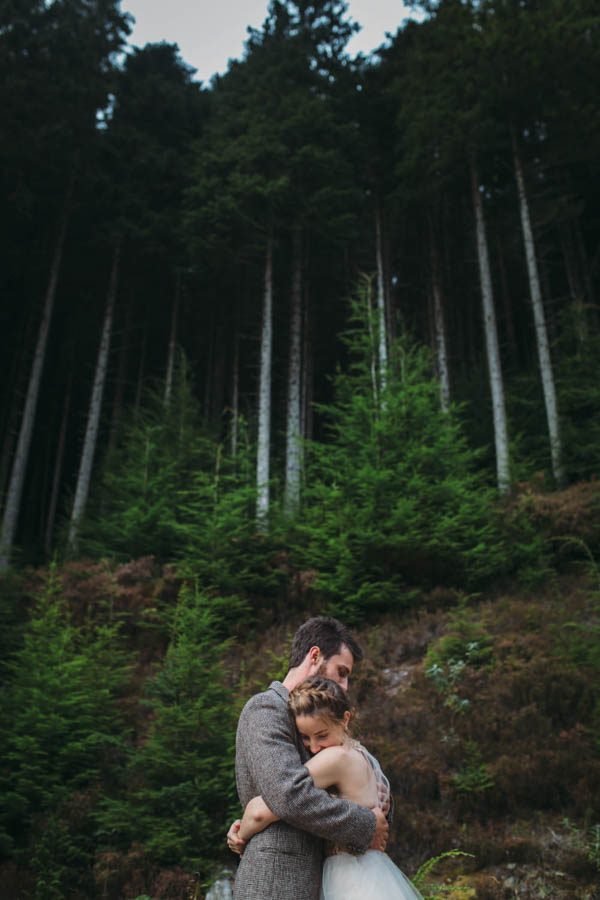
332 755
327 767
344 754
344 768
332 760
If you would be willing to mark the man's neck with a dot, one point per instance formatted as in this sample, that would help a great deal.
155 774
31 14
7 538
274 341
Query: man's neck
293 678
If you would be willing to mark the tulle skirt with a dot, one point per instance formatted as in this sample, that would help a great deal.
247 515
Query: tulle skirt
371 876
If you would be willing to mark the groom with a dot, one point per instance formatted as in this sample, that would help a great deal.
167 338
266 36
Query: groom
284 862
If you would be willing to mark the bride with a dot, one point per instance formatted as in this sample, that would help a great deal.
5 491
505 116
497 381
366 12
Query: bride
341 765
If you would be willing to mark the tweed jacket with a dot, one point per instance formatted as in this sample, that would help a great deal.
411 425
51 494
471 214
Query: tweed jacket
284 861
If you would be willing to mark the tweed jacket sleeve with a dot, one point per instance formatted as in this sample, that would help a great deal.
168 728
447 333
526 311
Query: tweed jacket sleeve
267 740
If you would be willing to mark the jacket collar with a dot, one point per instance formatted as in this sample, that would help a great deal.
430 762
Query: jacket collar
283 693
280 690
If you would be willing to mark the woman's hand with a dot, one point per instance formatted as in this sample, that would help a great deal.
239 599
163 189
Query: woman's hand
257 816
235 843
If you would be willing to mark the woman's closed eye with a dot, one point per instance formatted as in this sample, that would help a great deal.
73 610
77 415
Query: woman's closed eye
321 736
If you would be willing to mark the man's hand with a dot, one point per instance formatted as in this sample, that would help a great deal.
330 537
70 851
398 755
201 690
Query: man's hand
235 843
380 838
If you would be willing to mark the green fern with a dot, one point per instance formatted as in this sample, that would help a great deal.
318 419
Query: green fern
435 891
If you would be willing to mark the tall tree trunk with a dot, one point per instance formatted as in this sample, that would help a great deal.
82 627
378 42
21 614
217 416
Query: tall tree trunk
93 422
389 308
541 333
172 341
491 340
381 305
441 351
57 475
372 342
263 453
17 477
546 291
293 449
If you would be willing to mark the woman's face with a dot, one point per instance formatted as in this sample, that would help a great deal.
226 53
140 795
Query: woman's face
318 732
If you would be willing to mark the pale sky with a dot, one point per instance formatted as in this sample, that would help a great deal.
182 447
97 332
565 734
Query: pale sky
210 32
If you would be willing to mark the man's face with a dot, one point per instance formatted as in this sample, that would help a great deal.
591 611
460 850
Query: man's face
338 667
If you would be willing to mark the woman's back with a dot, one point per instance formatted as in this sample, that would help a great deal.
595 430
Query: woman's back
352 773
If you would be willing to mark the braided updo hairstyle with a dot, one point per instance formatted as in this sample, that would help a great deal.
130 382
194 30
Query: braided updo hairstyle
318 696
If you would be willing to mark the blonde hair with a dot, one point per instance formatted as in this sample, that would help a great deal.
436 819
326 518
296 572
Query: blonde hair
318 696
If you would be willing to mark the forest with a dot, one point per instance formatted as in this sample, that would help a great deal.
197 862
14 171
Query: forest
319 336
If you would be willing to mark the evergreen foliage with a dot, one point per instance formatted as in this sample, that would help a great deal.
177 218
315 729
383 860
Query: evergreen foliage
579 393
394 499
157 112
179 788
135 509
14 617
61 736
337 165
222 547
171 491
579 399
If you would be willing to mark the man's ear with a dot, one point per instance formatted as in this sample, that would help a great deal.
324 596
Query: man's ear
314 656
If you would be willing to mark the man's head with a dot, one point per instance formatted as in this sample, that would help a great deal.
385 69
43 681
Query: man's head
324 646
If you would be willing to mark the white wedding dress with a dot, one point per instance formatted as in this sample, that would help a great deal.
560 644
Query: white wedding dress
371 875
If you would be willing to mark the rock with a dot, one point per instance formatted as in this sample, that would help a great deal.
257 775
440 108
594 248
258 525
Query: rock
399 678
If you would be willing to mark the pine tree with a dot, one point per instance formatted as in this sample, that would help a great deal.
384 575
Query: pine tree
169 490
395 502
179 789
56 63
88 450
271 163
135 507
61 734
446 126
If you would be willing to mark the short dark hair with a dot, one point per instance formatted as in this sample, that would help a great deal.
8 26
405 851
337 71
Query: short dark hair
325 633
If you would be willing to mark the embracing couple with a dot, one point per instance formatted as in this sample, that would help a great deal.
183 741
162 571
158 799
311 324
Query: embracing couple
315 801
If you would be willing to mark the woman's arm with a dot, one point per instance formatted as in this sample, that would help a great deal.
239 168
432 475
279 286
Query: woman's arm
326 767
257 816
266 745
